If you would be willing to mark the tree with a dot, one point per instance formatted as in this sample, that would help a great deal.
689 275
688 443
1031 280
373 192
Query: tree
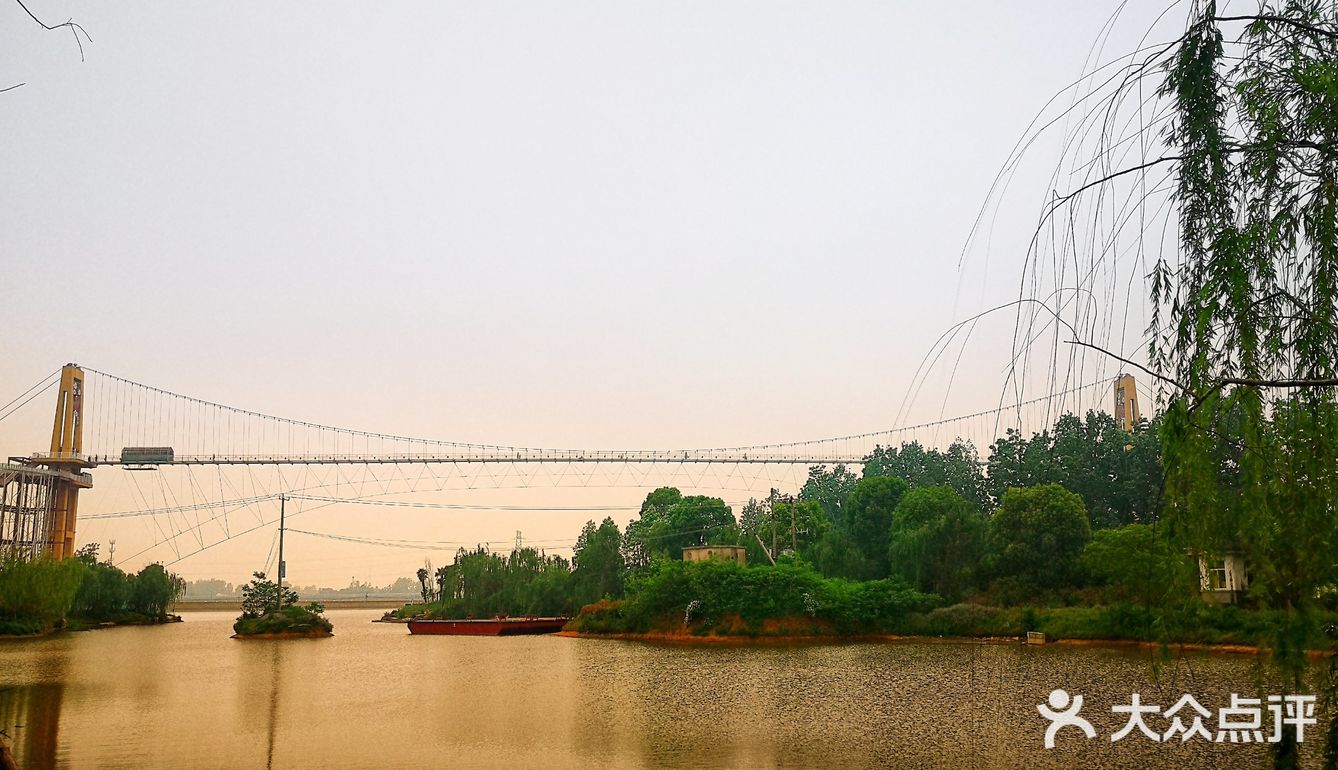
937 540
262 596
670 522
153 590
1243 336
870 505
794 525
597 563
836 554
1037 536
1117 473
1138 562
958 468
423 574
830 489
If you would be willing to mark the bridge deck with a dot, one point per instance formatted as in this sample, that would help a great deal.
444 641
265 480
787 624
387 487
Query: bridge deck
501 457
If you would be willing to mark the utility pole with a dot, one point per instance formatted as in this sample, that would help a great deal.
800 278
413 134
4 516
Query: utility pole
771 514
281 565
794 538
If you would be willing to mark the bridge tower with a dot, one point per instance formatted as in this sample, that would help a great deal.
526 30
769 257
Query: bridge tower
1127 413
65 463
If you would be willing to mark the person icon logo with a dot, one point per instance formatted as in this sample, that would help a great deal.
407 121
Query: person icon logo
1063 712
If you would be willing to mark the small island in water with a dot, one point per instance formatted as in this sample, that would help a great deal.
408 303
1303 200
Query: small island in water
272 612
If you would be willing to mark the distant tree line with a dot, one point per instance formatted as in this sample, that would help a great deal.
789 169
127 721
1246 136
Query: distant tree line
1069 514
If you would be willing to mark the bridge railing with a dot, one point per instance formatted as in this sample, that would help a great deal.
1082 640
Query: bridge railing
538 456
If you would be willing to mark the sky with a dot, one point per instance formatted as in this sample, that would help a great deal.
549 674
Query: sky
578 224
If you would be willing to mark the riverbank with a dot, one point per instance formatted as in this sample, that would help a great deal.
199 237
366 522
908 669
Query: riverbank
84 624
687 638
1192 626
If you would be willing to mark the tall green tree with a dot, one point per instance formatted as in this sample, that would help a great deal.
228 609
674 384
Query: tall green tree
870 505
1246 330
597 563
937 541
830 489
1036 538
670 522
1140 563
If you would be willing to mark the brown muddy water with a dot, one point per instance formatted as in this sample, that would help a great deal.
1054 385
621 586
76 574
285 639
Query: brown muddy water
185 695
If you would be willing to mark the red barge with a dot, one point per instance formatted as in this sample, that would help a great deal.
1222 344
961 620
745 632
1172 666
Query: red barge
488 626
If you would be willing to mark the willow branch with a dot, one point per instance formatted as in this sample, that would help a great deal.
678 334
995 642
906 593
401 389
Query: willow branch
1283 20
75 29
1121 359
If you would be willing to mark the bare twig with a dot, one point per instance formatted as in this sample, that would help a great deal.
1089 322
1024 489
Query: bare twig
75 28
1121 359
11 88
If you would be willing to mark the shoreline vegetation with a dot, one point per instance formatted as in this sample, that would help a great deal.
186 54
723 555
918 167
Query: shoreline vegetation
689 639
791 602
1059 533
41 597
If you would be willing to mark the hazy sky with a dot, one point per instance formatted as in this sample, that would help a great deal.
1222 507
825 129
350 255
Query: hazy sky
559 224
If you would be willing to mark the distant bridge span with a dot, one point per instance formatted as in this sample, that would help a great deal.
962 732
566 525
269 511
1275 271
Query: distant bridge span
539 456
134 426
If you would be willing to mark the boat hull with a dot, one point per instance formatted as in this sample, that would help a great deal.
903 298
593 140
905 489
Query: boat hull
488 627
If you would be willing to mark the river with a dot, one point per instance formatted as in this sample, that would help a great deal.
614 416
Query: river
185 695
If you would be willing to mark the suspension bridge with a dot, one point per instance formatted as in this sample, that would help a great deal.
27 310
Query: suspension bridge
106 421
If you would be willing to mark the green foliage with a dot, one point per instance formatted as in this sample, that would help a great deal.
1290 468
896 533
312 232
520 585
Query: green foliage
837 555
1117 473
40 590
966 620
871 504
263 596
959 468
830 489
937 540
81 588
724 597
481 583
267 609
1246 312
670 522
1139 563
597 563
153 590
424 588
1037 535
787 524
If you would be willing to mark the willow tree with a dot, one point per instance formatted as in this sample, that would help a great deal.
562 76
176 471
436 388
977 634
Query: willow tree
1246 311
1208 163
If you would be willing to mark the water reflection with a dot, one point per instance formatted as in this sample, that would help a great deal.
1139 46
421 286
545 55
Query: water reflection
30 711
260 684
188 696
